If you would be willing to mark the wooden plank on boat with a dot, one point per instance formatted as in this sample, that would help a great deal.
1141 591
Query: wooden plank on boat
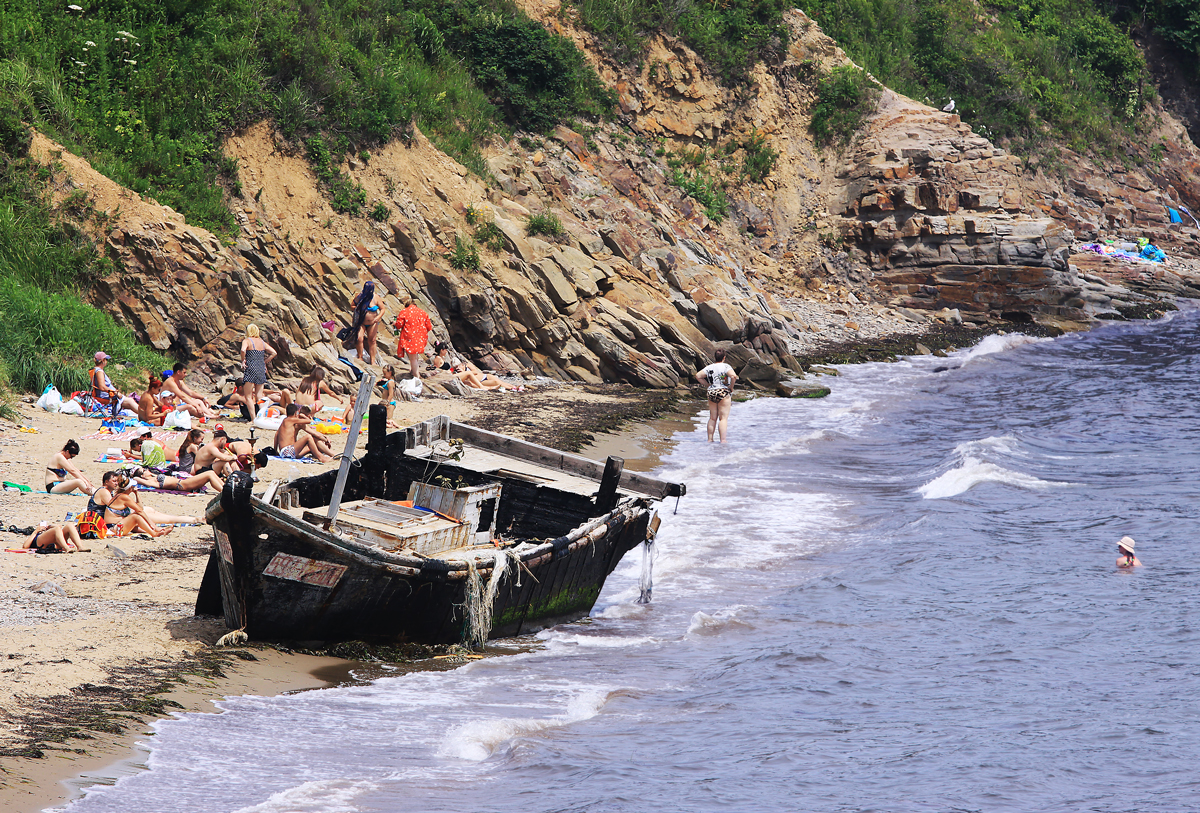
563 461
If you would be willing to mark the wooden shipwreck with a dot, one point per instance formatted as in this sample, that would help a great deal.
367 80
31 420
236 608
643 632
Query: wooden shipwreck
448 534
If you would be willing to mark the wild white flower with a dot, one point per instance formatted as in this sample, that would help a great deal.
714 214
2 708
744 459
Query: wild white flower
74 7
90 44
131 61
127 34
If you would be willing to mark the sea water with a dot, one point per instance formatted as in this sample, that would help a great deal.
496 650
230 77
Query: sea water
901 597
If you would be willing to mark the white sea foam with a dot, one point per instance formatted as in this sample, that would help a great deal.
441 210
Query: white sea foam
990 345
478 740
727 618
1004 444
974 471
326 796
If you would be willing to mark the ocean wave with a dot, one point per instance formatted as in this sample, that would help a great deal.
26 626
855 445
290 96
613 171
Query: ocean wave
324 796
703 624
974 471
990 345
476 741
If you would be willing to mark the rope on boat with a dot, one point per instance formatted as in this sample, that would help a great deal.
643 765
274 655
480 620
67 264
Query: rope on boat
481 599
646 581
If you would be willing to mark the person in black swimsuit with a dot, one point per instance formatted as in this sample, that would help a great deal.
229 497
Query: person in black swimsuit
61 475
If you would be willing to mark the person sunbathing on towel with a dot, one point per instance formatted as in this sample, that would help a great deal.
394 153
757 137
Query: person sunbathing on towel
294 443
183 482
63 538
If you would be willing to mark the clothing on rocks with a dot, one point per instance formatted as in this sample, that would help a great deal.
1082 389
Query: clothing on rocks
414 326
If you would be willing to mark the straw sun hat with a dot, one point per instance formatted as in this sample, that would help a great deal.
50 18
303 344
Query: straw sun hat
1127 543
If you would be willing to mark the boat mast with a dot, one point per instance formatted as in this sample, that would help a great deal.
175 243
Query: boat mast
361 401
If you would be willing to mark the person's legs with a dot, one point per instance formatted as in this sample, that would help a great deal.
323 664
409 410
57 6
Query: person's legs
248 398
196 481
67 486
714 409
258 394
412 366
306 445
360 339
159 518
723 420
74 539
372 342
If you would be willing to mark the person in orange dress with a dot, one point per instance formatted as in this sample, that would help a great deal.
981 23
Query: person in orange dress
413 326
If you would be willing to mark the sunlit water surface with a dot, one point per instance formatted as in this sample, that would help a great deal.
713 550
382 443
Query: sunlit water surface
899 598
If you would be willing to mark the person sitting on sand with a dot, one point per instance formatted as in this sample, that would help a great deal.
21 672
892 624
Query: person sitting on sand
185 455
103 393
1125 549
464 371
291 442
61 538
246 454
312 387
388 397
149 409
148 450
187 398
126 514
282 397
214 455
61 475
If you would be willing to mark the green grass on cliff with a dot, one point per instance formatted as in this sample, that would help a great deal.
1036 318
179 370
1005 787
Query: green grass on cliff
49 334
731 35
1020 71
146 89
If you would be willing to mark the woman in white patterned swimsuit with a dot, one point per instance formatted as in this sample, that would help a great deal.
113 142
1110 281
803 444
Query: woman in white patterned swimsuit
719 377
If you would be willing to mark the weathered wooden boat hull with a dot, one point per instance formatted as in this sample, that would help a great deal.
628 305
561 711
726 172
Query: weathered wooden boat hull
284 580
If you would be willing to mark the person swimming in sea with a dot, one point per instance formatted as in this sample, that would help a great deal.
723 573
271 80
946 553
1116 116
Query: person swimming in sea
1125 549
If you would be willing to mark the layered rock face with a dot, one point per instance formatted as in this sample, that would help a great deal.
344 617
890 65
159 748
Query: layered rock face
939 213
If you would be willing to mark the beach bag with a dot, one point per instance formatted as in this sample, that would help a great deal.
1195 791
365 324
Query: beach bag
72 407
91 525
179 419
51 399
343 333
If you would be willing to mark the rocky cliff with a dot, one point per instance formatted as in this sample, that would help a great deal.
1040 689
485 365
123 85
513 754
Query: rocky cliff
920 214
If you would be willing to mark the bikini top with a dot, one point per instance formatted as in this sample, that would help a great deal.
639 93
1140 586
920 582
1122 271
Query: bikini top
57 472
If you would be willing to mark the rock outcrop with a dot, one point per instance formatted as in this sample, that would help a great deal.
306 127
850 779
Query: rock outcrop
641 284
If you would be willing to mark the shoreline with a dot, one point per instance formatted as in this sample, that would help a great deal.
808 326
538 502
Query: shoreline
595 421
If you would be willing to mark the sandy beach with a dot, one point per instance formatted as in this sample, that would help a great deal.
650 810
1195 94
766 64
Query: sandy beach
94 645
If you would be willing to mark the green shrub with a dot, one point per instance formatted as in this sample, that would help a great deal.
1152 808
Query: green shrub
759 159
731 36
1022 70
844 99
544 223
380 212
706 190
489 235
346 196
46 266
465 256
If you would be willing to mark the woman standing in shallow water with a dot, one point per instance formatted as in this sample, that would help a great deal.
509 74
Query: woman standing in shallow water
720 378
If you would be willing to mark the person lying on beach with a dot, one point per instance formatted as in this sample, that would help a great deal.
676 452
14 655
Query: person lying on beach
187 397
61 475
294 443
464 371
214 455
181 482
126 513
62 538
312 387
271 395
149 409
1125 549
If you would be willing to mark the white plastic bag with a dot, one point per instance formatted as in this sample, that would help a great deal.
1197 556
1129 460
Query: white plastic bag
51 399
71 407
179 419
412 388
